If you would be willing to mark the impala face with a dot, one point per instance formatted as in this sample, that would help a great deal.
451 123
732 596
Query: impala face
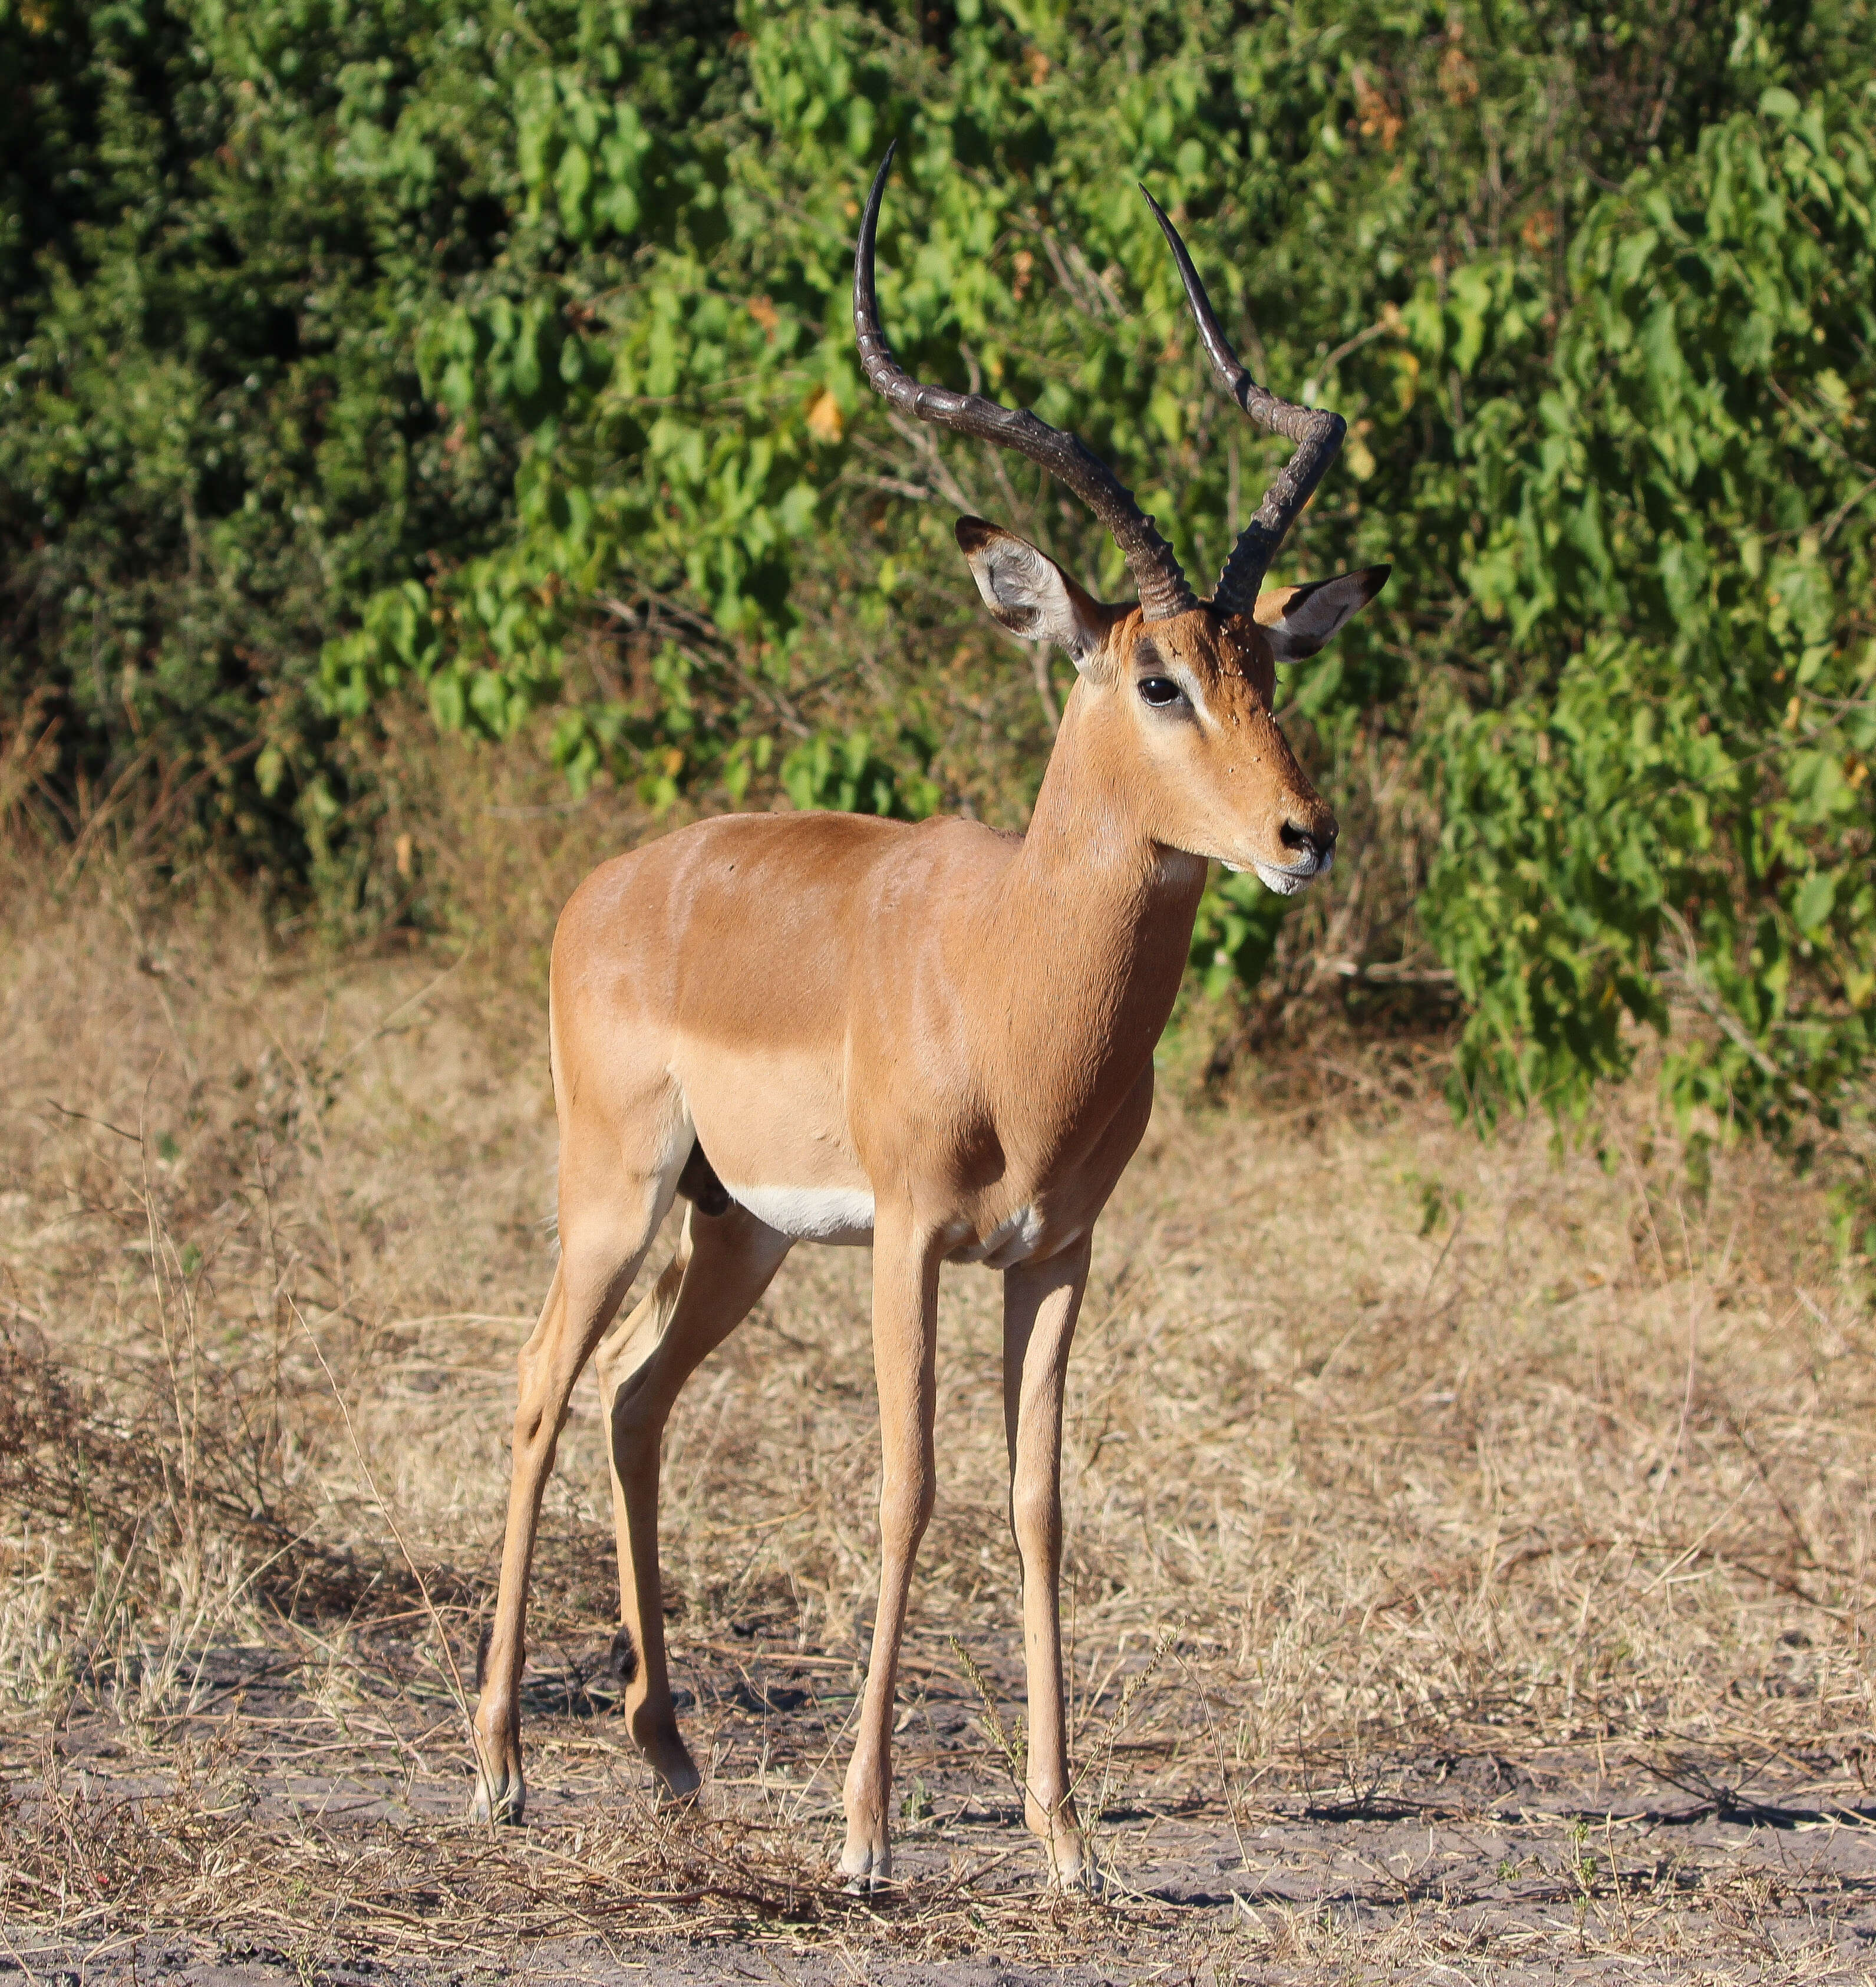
1184 703
1199 691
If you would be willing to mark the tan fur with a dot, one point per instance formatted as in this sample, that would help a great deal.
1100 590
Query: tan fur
955 1023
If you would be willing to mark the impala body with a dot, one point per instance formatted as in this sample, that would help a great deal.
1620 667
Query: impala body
936 1039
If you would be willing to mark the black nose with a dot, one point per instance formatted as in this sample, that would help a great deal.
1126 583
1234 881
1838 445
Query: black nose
1305 842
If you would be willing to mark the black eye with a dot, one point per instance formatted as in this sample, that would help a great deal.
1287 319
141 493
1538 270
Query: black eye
1159 691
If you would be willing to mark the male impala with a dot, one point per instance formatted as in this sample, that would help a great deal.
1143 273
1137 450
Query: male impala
936 1039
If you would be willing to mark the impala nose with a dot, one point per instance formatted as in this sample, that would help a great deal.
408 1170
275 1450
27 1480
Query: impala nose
1315 841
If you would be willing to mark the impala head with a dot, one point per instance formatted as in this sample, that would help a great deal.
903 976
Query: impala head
1187 685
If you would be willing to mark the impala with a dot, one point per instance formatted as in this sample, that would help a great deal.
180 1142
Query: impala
936 1039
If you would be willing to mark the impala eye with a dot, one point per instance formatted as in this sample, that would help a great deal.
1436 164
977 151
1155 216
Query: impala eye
1159 691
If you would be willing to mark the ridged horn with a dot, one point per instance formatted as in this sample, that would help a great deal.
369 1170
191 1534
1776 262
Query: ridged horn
1316 433
1163 586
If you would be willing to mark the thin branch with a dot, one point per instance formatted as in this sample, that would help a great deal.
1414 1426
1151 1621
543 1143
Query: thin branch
1319 378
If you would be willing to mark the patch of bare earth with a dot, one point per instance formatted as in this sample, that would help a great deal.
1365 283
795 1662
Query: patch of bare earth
1469 1555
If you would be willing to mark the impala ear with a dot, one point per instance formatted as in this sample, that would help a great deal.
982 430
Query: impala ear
1029 593
1300 619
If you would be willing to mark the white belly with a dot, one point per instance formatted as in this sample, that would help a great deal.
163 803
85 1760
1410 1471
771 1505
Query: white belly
837 1214
844 1216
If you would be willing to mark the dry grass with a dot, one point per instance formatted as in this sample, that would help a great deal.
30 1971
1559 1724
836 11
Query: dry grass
1420 1493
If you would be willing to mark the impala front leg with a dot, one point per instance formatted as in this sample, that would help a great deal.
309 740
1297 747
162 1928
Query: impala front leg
1040 1301
905 1340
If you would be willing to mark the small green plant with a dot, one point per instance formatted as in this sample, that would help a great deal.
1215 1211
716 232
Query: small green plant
1235 936
1580 1866
1101 1751
1583 1862
1011 1747
1433 1205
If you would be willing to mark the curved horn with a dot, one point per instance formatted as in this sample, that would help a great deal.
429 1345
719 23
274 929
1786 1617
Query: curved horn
1316 433
1163 586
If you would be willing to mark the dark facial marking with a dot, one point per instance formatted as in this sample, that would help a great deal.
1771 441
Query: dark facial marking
1156 688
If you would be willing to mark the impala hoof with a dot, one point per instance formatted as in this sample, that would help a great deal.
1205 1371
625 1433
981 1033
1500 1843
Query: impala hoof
678 1781
1057 1830
505 1802
867 1866
656 1736
1082 1878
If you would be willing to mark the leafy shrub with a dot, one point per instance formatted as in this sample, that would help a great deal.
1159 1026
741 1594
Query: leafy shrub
1670 805
831 771
221 238
501 355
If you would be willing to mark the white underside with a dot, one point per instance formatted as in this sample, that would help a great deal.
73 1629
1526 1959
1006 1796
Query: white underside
844 1216
809 1213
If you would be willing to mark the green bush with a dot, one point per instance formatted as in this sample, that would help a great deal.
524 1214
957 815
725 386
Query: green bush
500 354
221 236
1668 804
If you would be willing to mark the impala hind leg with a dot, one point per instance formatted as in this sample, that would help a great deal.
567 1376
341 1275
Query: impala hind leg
905 1343
1041 1303
725 1262
609 1214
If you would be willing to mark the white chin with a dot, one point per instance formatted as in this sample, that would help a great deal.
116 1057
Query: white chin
1286 882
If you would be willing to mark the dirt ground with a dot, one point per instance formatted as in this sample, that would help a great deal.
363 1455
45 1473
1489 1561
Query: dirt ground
1472 1865
1469 1567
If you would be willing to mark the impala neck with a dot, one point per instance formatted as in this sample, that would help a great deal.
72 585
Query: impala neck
1091 932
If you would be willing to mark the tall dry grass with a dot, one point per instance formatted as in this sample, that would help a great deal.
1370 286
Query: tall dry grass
1393 1457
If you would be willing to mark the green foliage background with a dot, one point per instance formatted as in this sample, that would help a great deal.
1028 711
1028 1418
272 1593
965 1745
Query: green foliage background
498 353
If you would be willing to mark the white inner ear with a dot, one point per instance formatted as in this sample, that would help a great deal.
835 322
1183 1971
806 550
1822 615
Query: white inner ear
1029 594
1300 620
